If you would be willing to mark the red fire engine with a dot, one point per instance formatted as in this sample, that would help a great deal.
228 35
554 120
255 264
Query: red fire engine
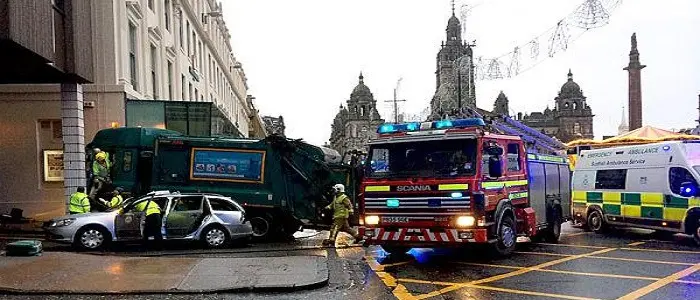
450 182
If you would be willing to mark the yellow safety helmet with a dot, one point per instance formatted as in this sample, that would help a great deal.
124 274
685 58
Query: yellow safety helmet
101 156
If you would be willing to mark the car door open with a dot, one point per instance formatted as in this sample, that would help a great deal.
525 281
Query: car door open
184 216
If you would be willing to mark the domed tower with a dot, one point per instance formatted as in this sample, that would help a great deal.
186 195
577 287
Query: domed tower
362 105
500 107
357 123
454 71
574 115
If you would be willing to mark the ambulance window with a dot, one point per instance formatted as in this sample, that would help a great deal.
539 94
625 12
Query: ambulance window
677 176
513 157
610 179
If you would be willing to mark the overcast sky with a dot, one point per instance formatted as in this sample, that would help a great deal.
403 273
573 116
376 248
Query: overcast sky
302 57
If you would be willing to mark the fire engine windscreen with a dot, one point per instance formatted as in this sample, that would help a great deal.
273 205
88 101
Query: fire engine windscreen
436 158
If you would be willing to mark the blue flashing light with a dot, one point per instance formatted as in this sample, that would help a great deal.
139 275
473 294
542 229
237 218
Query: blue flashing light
456 195
386 128
392 203
442 124
412 126
471 122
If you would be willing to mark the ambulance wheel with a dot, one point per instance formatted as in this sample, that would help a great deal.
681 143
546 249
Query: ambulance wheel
696 227
507 236
596 221
396 250
553 231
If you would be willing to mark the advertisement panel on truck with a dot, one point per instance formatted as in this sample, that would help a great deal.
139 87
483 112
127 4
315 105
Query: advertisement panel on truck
232 165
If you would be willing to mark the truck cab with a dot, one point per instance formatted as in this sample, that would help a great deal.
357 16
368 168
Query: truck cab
451 182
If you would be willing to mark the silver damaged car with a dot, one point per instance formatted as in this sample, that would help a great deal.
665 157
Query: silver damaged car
214 220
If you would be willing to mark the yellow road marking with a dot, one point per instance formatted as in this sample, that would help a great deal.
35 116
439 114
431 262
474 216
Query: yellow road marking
540 266
396 264
598 274
490 265
514 273
643 260
636 243
543 253
401 293
427 282
661 283
655 250
573 246
491 288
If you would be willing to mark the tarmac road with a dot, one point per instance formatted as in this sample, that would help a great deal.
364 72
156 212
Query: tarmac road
625 263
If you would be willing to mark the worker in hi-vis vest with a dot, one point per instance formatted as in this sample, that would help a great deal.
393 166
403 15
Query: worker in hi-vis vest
79 202
342 209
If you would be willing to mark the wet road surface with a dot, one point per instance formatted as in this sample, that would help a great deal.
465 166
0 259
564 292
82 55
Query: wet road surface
627 263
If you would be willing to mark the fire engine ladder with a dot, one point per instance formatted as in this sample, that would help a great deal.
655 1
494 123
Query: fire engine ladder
536 141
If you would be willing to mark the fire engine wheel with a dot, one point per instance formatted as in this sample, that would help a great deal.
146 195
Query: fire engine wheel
396 250
596 222
553 231
507 236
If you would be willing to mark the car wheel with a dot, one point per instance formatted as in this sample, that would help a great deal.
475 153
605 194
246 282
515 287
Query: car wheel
596 222
507 237
91 238
396 250
215 237
553 231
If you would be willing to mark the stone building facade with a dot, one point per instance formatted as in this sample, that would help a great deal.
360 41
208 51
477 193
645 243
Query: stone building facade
571 118
454 82
274 125
355 124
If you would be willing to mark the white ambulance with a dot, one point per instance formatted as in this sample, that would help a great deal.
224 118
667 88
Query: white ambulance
652 186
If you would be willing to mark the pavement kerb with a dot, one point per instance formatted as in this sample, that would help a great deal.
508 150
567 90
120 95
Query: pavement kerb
133 254
274 289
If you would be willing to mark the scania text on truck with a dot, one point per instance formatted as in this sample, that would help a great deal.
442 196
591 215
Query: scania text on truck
452 182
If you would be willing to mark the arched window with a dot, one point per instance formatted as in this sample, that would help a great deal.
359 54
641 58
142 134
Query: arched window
575 105
566 105
362 111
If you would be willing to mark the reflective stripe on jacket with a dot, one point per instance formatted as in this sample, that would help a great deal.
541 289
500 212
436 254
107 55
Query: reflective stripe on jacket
79 203
342 208
152 207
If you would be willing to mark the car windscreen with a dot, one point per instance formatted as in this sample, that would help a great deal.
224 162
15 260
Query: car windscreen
434 158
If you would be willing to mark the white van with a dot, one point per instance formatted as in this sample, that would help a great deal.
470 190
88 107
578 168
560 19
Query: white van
652 186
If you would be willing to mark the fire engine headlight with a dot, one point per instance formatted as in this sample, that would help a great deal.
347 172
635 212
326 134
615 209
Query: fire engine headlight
372 220
465 221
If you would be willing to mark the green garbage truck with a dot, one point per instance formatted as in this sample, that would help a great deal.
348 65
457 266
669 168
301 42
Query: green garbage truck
283 184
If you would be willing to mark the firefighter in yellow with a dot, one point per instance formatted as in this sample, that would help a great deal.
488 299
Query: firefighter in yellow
153 223
100 172
79 202
342 209
117 198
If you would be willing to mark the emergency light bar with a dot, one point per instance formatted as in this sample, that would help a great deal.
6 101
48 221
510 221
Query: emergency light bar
441 124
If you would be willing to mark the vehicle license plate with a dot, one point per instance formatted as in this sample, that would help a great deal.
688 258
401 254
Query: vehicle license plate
394 219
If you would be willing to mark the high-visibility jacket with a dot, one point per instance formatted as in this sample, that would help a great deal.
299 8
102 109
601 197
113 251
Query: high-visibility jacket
99 170
79 203
342 208
116 201
149 207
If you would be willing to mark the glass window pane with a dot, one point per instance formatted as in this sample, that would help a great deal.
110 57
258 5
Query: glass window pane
610 179
199 120
145 114
176 117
